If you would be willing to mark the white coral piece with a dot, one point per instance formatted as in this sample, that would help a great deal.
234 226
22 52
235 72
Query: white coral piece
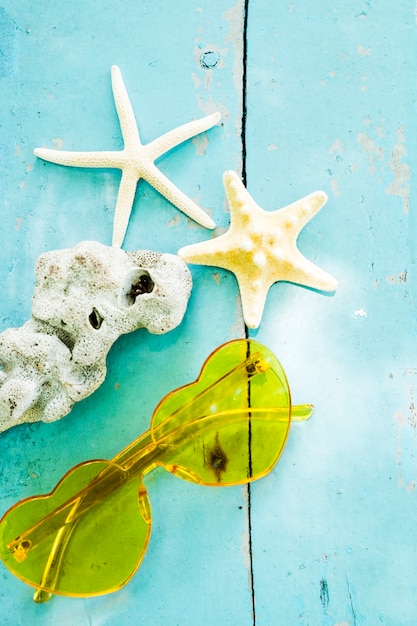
85 298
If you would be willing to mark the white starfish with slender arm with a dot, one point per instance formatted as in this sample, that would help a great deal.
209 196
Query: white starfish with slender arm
137 161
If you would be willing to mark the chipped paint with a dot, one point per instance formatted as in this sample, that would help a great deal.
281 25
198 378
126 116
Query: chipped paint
395 279
203 78
208 106
234 16
364 52
201 143
374 152
174 221
400 169
412 409
330 75
336 148
360 313
407 443
334 186
216 276
196 80
400 186
57 143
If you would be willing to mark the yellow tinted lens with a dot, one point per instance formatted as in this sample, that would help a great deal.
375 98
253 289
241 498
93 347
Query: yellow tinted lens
230 426
239 374
230 448
96 553
222 383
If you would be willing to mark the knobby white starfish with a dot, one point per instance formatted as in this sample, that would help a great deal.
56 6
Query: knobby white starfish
137 161
260 247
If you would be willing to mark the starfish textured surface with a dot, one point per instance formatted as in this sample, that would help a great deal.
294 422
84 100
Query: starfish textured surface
137 161
260 247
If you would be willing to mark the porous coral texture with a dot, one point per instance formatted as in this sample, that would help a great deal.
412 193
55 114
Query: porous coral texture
85 298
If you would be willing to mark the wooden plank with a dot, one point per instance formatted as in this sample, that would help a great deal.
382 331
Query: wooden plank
56 91
331 105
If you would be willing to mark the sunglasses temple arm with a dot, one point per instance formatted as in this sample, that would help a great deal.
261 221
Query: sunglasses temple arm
104 483
54 563
135 458
301 412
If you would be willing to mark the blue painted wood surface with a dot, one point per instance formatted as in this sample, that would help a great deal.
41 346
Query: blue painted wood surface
329 98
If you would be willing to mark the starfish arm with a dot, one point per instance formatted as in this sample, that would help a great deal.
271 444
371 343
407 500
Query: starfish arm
213 252
174 137
301 211
166 188
236 192
252 286
124 109
124 204
106 159
253 296
303 272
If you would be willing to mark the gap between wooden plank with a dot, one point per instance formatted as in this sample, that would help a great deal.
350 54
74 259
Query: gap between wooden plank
244 179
